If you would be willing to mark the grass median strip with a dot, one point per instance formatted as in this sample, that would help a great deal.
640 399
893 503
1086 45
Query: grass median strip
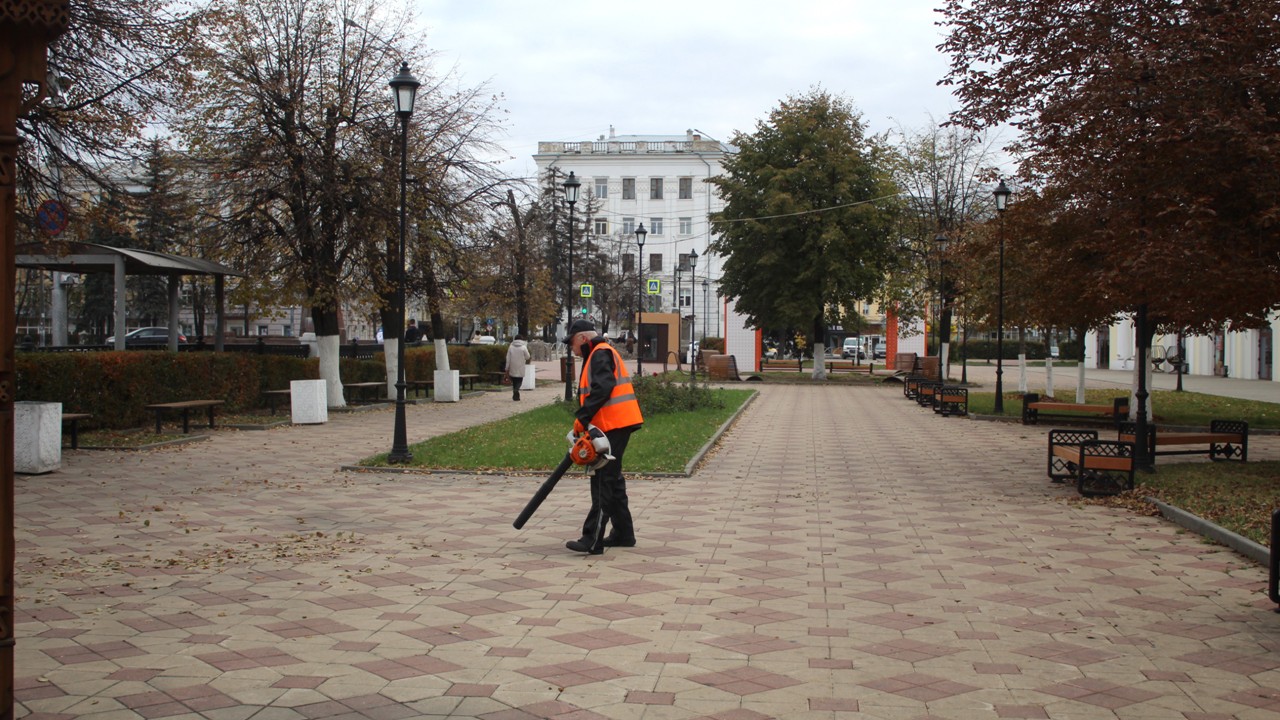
534 440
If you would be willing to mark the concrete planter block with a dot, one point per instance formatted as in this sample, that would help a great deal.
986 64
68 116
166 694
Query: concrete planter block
37 437
309 402
529 383
448 388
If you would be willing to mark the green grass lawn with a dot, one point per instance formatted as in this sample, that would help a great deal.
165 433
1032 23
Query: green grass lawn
534 440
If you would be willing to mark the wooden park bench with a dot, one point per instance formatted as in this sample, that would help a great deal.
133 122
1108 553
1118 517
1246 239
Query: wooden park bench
366 390
72 421
1098 467
274 397
185 407
951 400
926 389
797 365
417 386
911 385
1033 408
1225 440
722 367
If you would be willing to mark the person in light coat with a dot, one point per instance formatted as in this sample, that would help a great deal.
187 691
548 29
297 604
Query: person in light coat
517 359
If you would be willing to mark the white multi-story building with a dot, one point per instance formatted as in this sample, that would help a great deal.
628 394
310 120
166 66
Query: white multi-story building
660 181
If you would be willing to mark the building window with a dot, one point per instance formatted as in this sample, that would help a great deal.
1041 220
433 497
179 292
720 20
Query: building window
655 226
628 188
288 331
655 188
684 262
602 187
686 298
655 262
686 226
686 188
262 330
602 226
628 263
628 226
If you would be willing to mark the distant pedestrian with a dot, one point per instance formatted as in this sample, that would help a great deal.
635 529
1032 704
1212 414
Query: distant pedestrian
412 334
517 359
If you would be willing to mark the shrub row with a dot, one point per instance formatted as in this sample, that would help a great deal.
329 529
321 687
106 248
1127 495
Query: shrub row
116 387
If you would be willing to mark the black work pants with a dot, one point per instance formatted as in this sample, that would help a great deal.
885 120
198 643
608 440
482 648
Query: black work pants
609 494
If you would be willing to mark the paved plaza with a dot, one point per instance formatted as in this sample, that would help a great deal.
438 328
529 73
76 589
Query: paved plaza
843 553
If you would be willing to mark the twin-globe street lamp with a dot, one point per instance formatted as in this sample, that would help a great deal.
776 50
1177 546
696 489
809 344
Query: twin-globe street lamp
571 186
641 234
1001 194
404 88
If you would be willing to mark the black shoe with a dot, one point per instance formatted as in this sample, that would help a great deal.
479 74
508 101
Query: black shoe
584 546
612 541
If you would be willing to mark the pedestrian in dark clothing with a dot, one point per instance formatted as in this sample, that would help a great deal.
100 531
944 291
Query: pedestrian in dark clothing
412 334
606 400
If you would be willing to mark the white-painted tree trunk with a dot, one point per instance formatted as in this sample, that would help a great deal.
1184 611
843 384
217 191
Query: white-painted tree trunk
1022 373
1048 376
819 362
442 354
391 356
943 360
330 370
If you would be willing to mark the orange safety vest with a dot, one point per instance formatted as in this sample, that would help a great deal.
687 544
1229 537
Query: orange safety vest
622 409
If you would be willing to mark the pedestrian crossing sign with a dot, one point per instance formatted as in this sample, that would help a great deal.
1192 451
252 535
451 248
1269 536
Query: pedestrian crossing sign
655 287
585 290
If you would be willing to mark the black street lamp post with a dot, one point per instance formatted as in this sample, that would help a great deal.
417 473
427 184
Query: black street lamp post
404 88
1001 194
641 234
941 241
706 305
679 321
571 187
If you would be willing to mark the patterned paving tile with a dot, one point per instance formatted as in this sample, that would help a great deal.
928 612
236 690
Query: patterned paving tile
771 584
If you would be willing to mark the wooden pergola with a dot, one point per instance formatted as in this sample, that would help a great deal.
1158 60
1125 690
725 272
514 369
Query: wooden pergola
78 257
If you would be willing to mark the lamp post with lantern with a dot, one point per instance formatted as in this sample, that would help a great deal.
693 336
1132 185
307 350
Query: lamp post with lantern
641 234
1001 195
404 89
571 187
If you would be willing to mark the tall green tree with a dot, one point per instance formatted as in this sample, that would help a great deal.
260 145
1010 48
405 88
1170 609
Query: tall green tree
807 227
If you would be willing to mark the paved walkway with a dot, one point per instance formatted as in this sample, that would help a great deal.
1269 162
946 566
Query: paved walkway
843 554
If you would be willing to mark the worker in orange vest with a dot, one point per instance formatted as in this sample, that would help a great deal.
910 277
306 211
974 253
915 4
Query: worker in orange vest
607 401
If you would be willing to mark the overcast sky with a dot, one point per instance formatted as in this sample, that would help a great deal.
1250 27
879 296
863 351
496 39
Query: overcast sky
568 72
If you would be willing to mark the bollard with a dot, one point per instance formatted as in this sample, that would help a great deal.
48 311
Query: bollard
1273 576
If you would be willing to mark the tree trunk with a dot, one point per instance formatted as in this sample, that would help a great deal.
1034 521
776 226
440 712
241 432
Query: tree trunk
328 341
819 348
1080 333
1022 360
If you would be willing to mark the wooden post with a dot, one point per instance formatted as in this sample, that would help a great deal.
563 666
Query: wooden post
26 27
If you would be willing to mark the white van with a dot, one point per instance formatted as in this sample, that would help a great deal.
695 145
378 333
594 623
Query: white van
851 349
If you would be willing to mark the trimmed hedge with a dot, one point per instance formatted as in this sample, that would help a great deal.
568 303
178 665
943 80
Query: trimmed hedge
116 387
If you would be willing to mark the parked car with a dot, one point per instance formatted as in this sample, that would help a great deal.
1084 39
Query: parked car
851 349
1053 351
880 352
147 336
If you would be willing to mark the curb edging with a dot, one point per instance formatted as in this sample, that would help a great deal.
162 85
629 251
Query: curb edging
1243 545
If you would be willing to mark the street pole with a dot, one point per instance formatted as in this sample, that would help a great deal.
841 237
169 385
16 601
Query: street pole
404 87
641 234
571 196
1002 194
